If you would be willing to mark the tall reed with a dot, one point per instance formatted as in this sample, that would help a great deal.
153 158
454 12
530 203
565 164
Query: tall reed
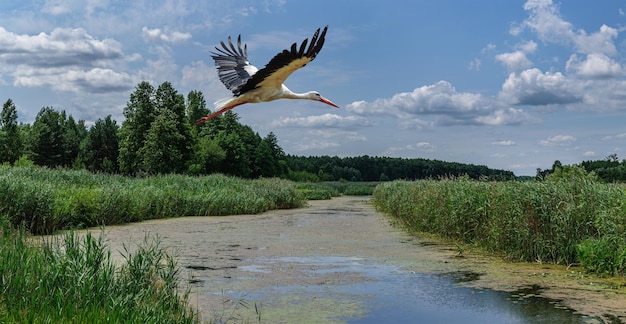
73 280
45 200
558 221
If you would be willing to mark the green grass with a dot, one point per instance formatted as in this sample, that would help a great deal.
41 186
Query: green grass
561 220
73 280
329 189
45 200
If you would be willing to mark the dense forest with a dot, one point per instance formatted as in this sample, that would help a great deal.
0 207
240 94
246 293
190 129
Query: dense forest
158 137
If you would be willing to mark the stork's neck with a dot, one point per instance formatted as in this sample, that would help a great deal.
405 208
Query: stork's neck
293 95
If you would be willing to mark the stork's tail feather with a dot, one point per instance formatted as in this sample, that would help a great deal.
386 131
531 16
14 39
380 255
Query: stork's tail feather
221 106
222 103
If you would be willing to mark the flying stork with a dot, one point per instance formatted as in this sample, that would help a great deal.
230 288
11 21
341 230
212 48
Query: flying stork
251 85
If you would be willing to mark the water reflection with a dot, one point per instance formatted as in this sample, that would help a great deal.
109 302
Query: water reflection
393 295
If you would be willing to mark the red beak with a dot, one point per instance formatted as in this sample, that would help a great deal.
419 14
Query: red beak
328 102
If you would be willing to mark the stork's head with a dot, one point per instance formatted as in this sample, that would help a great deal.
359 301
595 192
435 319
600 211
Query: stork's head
314 95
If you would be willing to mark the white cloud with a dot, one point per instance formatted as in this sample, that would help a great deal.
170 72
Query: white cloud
96 80
443 101
325 120
167 36
589 154
55 7
517 60
528 47
426 147
532 87
62 47
595 66
503 143
248 11
415 123
558 140
66 59
474 65
488 49
505 116
544 18
514 61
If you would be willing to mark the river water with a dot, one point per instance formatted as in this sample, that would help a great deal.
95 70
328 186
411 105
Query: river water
336 261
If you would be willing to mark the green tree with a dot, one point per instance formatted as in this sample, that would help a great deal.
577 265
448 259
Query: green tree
170 105
10 135
235 160
208 156
196 106
46 138
73 134
102 146
161 152
139 112
264 164
237 141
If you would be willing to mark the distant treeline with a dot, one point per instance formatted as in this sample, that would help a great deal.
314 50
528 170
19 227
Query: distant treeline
158 137
373 168
611 169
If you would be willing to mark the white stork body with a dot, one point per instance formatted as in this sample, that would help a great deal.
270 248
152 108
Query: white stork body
251 85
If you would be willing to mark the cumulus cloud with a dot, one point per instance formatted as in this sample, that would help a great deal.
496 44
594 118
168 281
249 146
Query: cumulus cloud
66 59
518 60
532 87
62 47
595 66
96 80
442 100
558 140
514 61
545 19
592 75
439 98
164 35
325 120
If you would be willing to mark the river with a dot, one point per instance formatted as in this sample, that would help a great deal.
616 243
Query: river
340 261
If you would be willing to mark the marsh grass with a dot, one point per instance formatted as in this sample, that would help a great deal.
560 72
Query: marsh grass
73 280
329 189
46 200
563 221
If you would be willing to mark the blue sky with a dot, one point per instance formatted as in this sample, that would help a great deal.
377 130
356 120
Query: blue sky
513 85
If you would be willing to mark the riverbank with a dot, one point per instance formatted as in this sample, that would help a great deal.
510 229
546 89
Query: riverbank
295 264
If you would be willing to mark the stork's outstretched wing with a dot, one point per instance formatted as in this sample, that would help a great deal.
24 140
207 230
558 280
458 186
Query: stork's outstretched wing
233 67
286 62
